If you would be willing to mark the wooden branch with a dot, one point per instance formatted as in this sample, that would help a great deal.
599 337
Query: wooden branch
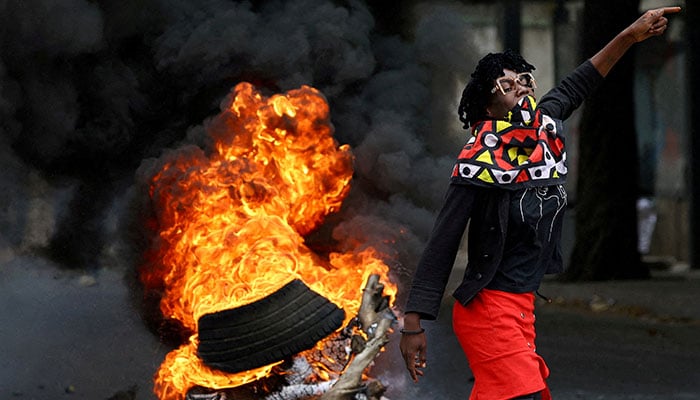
375 318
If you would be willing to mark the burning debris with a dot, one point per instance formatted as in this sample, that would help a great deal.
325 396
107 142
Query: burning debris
375 319
347 357
230 262
356 346
291 320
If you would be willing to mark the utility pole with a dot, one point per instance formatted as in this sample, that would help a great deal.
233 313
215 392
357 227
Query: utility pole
512 25
691 13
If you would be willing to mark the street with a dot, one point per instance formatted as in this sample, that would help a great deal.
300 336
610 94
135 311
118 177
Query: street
68 335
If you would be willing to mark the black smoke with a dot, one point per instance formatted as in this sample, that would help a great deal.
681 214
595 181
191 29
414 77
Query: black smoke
93 93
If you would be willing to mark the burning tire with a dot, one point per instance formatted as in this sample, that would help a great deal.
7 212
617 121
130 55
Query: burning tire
291 320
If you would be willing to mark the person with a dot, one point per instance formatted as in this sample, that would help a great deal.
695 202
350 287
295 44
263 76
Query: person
507 184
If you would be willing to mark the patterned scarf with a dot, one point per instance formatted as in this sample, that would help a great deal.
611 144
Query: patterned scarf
525 150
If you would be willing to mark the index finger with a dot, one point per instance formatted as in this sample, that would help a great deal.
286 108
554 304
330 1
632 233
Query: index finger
669 10
409 359
413 372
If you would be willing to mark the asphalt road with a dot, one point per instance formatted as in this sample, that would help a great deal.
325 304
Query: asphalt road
67 335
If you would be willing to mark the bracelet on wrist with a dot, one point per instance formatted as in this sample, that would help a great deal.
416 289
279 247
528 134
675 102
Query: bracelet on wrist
415 332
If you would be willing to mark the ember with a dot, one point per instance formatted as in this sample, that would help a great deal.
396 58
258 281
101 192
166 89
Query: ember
231 223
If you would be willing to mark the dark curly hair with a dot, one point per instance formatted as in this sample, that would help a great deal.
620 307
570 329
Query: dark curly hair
477 93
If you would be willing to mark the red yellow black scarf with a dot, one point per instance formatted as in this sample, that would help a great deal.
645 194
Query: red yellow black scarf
525 150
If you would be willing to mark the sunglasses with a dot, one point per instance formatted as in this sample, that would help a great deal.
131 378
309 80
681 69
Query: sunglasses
507 83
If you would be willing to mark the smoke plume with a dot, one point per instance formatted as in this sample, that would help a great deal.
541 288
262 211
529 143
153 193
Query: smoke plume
95 94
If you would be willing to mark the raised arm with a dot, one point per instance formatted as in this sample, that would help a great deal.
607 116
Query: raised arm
651 23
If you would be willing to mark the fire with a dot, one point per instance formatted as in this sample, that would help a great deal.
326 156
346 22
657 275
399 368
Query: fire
231 222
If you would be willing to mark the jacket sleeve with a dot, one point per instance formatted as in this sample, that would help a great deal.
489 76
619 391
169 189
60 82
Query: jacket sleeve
435 265
561 101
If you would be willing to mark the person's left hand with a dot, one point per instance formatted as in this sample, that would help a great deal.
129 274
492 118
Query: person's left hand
651 23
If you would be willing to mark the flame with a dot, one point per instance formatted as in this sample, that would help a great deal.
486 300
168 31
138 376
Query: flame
231 223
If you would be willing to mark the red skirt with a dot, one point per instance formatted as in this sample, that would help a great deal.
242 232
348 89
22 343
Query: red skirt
497 333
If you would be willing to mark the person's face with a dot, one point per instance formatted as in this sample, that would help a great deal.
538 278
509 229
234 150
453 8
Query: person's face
507 91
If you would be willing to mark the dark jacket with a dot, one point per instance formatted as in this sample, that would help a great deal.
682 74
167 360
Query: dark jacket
486 210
